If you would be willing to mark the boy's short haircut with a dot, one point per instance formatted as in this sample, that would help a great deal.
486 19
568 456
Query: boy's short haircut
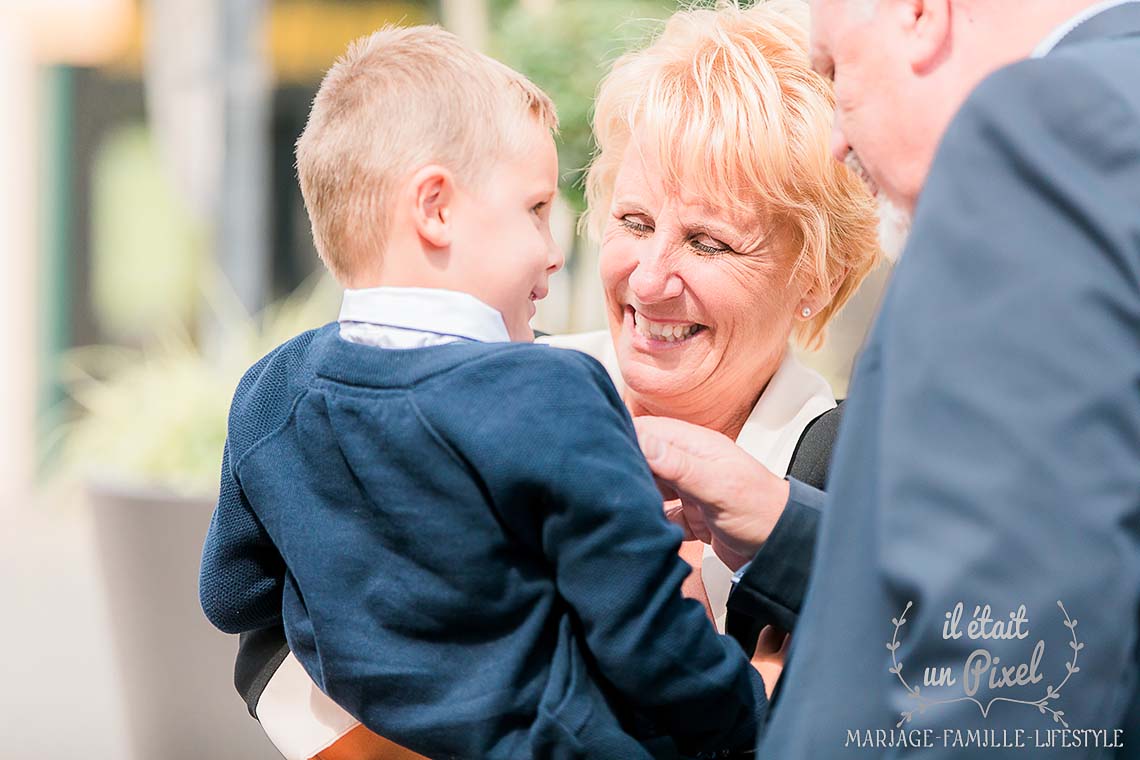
397 100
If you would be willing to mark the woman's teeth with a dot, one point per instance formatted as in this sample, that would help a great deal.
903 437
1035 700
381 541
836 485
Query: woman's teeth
662 331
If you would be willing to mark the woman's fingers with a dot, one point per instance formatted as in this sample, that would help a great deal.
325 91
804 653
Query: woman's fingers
771 644
696 520
668 493
675 514
768 659
689 519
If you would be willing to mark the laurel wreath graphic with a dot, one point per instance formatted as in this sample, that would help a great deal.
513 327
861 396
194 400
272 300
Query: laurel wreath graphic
924 702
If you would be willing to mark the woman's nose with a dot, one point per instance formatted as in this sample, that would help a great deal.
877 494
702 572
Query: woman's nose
653 280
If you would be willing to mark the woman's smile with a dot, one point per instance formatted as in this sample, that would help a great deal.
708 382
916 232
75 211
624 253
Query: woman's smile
659 334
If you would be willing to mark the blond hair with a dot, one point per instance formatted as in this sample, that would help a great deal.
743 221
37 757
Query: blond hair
728 104
397 100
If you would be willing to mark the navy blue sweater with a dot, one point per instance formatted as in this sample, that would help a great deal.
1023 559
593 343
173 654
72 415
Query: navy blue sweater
469 554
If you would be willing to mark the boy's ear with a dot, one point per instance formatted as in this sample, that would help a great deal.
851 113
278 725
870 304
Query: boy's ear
433 196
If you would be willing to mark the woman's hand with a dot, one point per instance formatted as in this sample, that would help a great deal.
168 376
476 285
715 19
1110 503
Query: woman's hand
693 587
727 498
768 659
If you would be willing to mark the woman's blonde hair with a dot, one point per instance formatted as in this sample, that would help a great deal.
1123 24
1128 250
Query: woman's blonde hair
727 101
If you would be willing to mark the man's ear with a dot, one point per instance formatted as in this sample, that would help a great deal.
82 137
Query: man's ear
926 26
433 192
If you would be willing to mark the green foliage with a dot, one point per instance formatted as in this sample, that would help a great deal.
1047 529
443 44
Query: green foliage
566 48
146 248
157 417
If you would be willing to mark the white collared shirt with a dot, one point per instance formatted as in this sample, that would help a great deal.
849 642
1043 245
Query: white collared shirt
417 317
1046 45
794 397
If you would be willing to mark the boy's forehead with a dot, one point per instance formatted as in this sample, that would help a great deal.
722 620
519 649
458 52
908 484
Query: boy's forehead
538 157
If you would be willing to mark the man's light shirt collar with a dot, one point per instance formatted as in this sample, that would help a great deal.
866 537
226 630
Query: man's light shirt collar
1064 30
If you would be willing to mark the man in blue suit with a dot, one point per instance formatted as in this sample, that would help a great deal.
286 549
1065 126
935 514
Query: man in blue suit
975 588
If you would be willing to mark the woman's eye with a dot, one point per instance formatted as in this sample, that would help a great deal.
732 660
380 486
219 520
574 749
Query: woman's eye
634 226
538 207
705 244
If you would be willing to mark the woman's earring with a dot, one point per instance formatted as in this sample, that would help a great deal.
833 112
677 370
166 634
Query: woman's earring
806 312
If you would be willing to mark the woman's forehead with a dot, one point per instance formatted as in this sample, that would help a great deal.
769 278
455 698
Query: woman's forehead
644 180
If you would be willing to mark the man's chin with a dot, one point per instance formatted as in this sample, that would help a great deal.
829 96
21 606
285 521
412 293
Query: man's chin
894 220
894 227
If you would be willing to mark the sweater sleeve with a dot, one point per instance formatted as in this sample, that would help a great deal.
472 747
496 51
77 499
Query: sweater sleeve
242 573
570 477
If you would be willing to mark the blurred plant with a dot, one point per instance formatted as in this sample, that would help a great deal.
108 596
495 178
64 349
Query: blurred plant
566 48
156 417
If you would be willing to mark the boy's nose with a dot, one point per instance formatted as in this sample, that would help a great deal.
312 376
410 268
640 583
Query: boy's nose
556 260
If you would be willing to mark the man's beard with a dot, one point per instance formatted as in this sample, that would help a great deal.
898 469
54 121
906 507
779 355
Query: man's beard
894 223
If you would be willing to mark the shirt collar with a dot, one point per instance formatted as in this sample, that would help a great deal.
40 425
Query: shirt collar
1065 29
431 310
794 397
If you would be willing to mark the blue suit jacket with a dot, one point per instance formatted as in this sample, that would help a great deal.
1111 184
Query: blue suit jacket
990 450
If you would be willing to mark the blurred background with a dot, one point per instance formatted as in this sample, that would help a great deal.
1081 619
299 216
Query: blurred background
155 245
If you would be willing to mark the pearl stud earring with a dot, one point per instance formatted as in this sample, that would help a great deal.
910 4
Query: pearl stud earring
806 312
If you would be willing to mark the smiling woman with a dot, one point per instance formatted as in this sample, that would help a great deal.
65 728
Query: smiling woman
721 214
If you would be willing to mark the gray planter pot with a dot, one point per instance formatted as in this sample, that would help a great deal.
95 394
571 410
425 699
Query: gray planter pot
176 669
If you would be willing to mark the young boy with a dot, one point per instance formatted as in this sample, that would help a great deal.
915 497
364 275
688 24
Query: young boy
456 525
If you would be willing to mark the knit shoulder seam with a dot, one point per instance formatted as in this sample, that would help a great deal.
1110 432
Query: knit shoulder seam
442 442
264 440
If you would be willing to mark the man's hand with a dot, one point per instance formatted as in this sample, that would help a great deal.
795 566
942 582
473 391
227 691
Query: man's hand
727 498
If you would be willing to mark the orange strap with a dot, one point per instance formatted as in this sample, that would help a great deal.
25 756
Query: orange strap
362 744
